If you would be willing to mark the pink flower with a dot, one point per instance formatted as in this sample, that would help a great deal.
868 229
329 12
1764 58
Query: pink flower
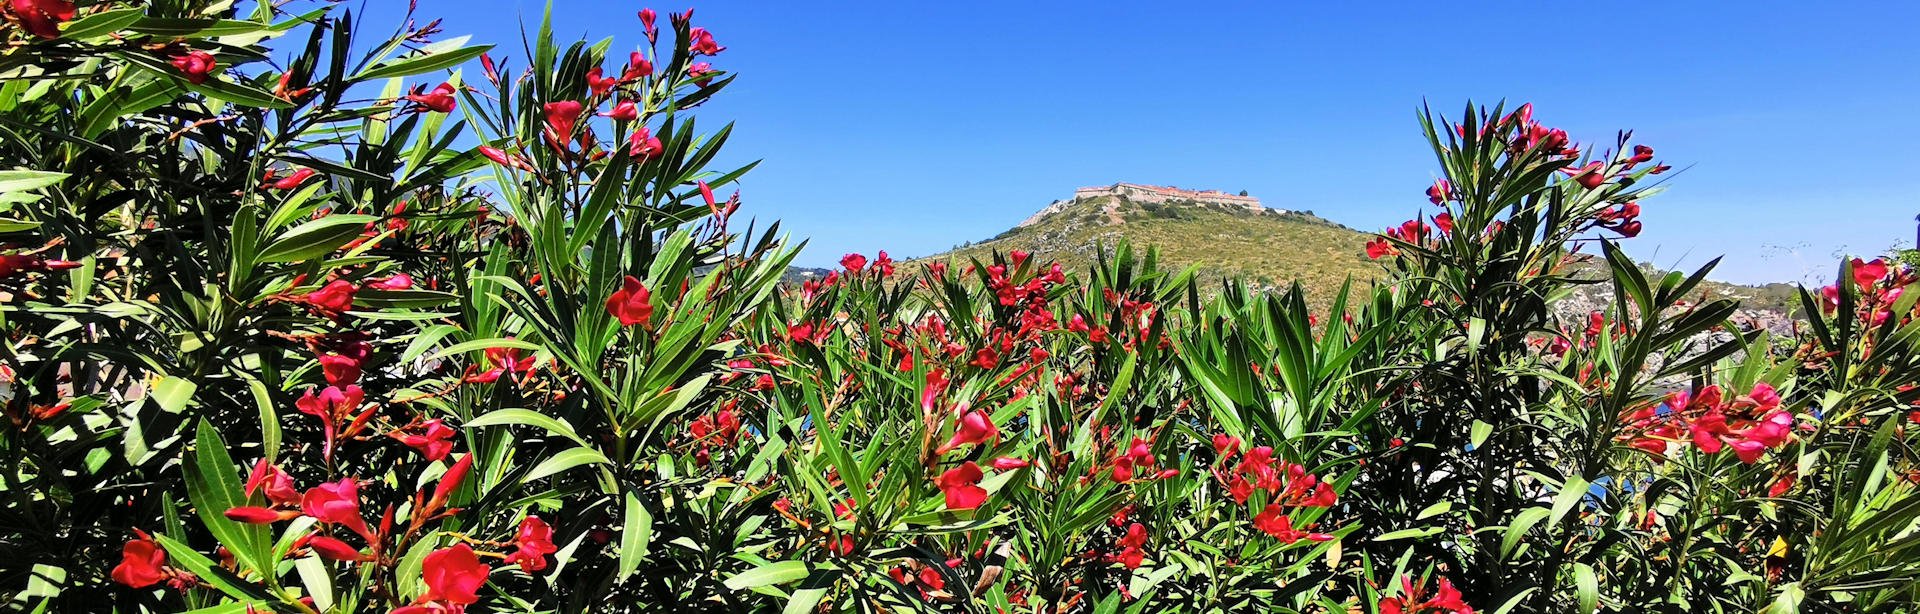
1589 176
397 281
699 72
961 487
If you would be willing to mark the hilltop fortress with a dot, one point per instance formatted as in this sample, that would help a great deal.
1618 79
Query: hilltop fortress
1153 194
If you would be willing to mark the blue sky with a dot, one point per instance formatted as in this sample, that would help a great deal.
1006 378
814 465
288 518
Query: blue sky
914 126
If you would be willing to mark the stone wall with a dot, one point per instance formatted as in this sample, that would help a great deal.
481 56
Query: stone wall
1140 193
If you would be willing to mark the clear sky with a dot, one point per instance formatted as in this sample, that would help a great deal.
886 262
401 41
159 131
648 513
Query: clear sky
914 126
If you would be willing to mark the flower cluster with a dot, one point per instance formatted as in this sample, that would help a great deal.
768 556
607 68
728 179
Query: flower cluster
1750 424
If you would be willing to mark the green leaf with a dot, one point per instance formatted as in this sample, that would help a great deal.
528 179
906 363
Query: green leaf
101 23
528 417
635 536
566 459
1586 588
413 65
21 181
481 344
213 484
315 238
1413 533
1522 522
767 575
173 393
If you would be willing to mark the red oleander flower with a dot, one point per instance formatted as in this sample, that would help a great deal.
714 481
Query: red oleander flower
331 405
1225 446
647 16
1444 222
624 111
42 18
644 145
961 485
883 264
1275 522
195 65
252 514
1441 191
854 263
975 427
1446 600
1869 274
1379 248
561 118
1641 154
337 503
700 72
397 281
632 303
532 545
13 264
1589 176
1007 463
140 563
504 361
450 482
289 182
702 42
277 485
599 84
638 67
453 575
332 299
440 100
433 439
501 157
334 549
340 370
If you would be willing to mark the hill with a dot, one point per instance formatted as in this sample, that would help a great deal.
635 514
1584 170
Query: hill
1226 238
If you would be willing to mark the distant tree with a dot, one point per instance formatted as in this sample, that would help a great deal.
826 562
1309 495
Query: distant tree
1243 192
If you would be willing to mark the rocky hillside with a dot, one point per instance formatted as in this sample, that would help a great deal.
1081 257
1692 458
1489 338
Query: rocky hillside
1268 248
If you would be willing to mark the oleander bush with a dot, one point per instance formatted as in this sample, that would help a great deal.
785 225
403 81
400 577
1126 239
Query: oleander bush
302 315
